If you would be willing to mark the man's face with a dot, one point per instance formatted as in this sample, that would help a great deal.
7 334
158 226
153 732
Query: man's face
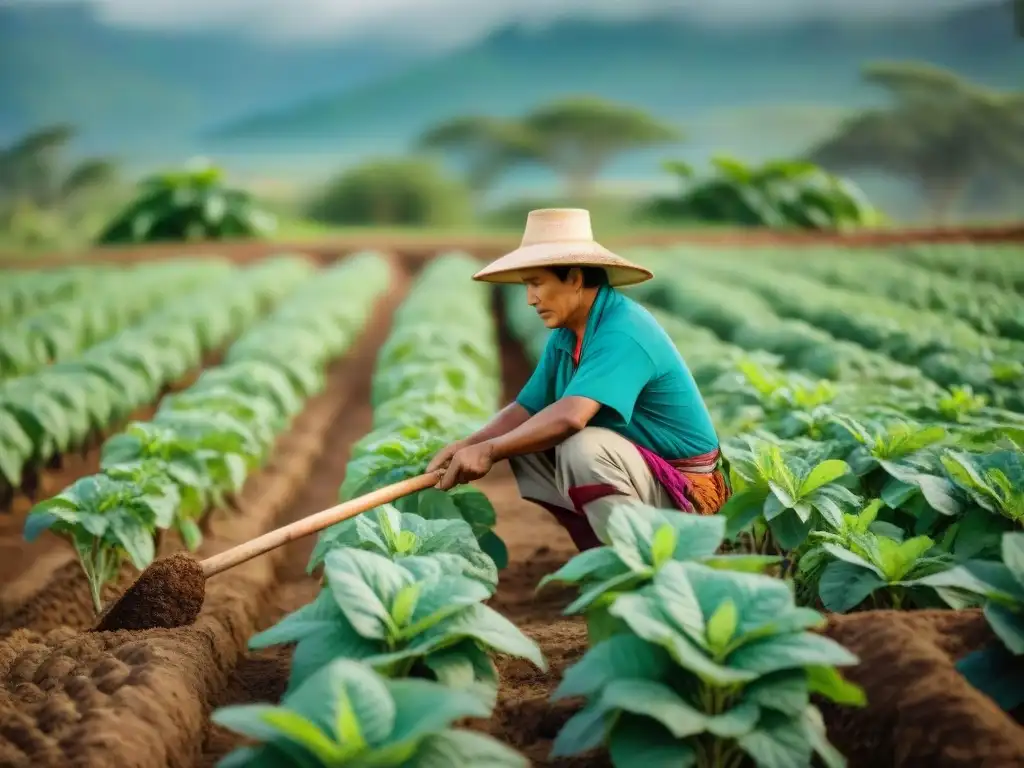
554 301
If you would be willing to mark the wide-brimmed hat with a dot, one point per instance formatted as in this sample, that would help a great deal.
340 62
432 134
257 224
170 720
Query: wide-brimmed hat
561 237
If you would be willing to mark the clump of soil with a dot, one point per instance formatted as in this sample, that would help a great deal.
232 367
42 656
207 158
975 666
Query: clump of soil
921 712
167 595
72 699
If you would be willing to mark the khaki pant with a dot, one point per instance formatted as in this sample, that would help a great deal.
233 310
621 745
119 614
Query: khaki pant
584 478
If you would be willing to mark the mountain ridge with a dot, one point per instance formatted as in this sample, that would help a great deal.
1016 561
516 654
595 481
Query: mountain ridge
514 68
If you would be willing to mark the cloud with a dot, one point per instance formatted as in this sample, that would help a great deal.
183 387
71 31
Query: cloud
449 22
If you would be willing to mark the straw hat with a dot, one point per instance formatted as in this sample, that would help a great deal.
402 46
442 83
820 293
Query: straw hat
561 237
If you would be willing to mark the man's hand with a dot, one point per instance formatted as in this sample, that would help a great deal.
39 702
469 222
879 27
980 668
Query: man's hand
467 464
444 455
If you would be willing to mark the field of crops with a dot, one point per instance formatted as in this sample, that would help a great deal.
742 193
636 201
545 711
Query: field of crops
860 600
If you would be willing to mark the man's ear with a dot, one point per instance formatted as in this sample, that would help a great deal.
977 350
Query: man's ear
576 277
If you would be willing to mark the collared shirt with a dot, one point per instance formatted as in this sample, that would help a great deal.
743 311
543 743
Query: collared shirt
630 366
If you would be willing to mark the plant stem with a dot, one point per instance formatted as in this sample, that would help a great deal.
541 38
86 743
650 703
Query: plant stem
897 599
733 756
96 576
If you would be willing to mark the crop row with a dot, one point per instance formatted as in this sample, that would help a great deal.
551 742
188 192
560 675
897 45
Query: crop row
1000 265
25 291
747 321
397 645
852 503
988 308
67 406
947 350
170 472
61 330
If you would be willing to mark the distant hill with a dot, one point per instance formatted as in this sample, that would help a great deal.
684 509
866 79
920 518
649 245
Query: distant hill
767 90
307 109
131 90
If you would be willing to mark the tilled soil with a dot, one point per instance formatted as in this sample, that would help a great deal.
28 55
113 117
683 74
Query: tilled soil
922 713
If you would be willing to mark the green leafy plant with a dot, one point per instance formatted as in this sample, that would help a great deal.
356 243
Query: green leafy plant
872 562
193 204
107 521
348 715
994 481
418 616
643 540
202 472
717 666
394 534
780 194
783 494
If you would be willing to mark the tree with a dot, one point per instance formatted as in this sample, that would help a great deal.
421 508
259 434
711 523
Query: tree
490 146
31 171
392 191
580 135
942 132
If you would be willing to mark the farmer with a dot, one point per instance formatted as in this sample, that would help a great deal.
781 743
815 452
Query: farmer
611 413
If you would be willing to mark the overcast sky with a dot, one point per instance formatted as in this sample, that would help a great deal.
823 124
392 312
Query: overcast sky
448 22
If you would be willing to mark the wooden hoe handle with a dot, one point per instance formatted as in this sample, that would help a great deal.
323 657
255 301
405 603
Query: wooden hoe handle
237 555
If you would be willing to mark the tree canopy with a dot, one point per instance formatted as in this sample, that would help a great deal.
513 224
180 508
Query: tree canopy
575 137
579 136
488 145
32 171
941 131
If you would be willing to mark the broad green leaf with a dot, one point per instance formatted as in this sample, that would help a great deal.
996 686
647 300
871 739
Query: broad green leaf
656 701
456 747
721 625
364 585
823 474
599 563
663 545
619 657
826 681
782 652
637 743
843 585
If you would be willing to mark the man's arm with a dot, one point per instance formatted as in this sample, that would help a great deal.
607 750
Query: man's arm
508 418
545 429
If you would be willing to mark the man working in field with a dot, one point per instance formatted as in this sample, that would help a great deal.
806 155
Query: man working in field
611 412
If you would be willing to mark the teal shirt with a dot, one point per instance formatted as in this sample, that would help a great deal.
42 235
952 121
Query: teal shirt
630 366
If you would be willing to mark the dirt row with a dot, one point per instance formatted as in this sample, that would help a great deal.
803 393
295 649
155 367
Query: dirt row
414 247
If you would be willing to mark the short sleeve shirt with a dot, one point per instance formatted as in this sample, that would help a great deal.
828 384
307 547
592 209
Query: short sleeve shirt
630 366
